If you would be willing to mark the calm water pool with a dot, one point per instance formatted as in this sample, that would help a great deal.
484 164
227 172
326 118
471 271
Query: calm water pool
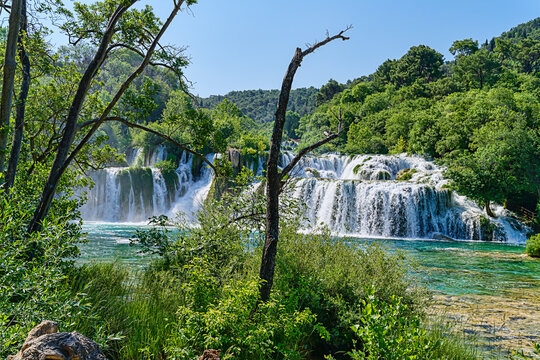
452 268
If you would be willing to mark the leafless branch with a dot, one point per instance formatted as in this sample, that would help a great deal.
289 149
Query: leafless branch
313 146
163 136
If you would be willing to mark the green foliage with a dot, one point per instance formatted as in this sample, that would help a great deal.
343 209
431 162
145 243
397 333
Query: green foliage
386 332
530 30
533 246
260 105
34 268
225 320
327 91
464 47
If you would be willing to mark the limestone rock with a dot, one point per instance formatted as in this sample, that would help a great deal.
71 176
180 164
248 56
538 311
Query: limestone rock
45 343
234 158
210 355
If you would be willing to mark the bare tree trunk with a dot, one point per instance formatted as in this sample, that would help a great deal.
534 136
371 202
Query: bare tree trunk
274 177
21 103
10 66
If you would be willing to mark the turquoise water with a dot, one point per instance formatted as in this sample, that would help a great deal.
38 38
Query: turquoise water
452 268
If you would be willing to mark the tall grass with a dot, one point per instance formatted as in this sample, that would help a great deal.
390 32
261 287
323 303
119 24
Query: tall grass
328 278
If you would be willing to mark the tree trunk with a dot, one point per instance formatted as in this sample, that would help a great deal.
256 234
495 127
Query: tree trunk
274 177
71 123
488 209
21 103
10 66
63 157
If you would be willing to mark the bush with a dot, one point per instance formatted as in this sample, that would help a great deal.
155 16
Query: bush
34 268
224 318
387 331
533 246
329 276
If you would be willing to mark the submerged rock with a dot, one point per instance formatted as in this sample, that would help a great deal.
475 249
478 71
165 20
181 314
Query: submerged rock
45 342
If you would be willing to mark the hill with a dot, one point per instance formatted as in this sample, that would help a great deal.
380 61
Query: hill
260 105
528 30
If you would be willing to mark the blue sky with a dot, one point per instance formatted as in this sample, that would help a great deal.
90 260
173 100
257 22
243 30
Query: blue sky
247 44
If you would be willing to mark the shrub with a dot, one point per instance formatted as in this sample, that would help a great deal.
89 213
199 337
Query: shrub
533 246
34 268
224 318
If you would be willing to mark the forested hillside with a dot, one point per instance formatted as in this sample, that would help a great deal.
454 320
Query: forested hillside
530 30
260 105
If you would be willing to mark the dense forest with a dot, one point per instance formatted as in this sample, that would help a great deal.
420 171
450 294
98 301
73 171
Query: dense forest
226 284
260 105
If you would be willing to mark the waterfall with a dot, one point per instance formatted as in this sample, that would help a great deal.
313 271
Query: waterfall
140 190
395 196
360 196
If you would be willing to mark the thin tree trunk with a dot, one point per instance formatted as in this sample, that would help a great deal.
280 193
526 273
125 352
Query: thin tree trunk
71 123
10 66
21 103
274 177
489 212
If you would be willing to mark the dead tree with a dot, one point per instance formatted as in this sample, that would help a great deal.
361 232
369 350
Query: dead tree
274 177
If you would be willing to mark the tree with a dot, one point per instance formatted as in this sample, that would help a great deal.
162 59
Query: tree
21 102
420 62
327 91
8 82
274 177
464 47
505 161
109 27
292 120
477 69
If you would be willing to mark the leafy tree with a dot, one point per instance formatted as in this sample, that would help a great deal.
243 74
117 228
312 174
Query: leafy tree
498 166
464 47
108 26
292 120
328 90
478 69
420 62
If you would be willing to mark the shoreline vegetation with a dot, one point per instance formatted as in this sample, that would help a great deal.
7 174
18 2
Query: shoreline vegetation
228 284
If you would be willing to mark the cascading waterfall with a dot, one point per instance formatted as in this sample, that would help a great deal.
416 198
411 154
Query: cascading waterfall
138 191
360 196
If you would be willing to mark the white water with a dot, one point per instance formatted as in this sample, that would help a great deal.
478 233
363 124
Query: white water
134 194
352 195
360 196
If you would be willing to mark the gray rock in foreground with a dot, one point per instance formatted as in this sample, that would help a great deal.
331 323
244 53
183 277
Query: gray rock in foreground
44 342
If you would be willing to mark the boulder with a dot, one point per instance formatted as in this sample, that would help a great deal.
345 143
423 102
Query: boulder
44 342
210 355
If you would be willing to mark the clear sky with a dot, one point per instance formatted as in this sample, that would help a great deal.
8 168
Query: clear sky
247 44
